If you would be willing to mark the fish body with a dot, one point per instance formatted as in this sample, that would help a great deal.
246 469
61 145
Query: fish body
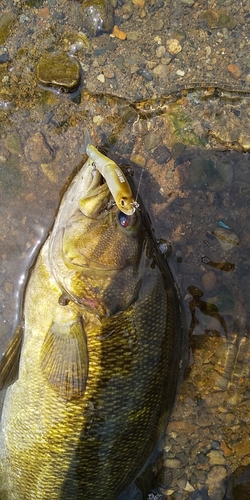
99 356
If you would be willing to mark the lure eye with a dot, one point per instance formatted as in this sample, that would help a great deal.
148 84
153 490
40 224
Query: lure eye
127 221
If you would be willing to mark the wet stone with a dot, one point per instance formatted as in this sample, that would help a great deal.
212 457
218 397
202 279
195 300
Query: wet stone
209 280
234 71
10 179
13 143
161 154
151 140
98 16
34 3
58 70
37 149
6 23
4 57
220 19
216 482
227 239
174 46
216 457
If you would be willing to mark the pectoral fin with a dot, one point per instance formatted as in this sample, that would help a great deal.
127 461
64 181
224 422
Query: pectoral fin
64 358
9 363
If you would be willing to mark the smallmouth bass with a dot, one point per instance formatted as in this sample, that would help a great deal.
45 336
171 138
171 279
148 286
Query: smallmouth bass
100 349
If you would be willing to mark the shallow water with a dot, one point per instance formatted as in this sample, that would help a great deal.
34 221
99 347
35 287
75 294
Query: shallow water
193 146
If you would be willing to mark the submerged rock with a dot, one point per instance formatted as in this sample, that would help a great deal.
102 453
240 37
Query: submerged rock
98 16
6 23
213 175
227 239
59 70
37 149
220 18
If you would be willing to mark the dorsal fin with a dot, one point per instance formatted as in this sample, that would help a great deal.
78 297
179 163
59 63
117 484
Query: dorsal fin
64 358
9 363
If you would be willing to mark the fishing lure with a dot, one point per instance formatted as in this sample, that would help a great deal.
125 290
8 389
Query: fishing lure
115 178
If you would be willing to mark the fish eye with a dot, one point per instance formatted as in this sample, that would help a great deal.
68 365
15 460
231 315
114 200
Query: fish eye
127 221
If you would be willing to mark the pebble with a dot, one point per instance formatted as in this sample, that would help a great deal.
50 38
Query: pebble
97 16
59 70
209 280
6 22
216 457
122 35
151 140
161 154
4 57
215 481
189 487
160 70
174 46
37 149
13 143
172 463
108 73
234 71
180 72
101 77
139 3
219 18
160 51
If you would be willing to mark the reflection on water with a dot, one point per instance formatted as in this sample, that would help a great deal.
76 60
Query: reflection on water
198 198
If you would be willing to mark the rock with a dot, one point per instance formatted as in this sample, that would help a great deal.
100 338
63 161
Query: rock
122 35
160 51
172 463
34 3
209 280
190 3
216 457
174 46
59 70
161 154
139 3
98 16
181 175
151 140
219 18
6 22
13 143
227 239
180 72
216 482
234 71
37 149
160 70
4 57
10 178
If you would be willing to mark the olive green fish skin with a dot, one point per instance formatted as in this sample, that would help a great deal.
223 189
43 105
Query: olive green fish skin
98 370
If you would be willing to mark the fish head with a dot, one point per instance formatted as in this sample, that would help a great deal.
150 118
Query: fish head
96 251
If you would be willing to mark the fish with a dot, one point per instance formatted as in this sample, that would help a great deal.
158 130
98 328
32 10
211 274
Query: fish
91 373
